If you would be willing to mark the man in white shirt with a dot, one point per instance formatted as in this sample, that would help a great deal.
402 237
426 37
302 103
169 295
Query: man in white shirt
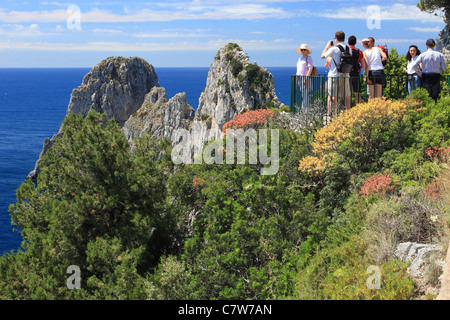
338 85
433 63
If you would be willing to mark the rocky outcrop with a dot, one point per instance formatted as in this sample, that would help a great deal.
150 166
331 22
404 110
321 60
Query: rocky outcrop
426 264
116 86
235 85
443 42
127 89
159 115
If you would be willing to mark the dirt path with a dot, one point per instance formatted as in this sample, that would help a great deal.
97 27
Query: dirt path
444 293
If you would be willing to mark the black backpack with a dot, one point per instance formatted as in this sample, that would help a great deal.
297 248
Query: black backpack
356 65
345 64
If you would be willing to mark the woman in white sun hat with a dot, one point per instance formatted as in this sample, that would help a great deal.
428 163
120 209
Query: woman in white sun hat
305 68
305 62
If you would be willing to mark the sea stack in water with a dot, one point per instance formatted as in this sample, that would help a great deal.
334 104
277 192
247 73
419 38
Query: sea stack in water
127 89
235 85
116 86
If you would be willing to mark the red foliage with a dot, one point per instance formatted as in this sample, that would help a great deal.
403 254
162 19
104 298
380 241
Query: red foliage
196 183
433 190
379 184
437 153
250 119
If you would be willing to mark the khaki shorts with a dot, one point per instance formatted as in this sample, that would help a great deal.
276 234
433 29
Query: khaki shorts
339 86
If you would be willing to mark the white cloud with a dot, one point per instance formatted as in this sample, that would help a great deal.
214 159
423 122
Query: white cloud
411 41
426 29
18 30
161 12
171 35
397 11
116 46
107 31
33 16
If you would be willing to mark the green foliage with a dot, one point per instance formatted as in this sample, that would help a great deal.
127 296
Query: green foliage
342 273
95 205
171 281
236 65
247 227
433 5
365 230
396 84
245 236
408 218
140 227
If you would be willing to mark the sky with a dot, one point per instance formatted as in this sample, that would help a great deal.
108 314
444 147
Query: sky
178 33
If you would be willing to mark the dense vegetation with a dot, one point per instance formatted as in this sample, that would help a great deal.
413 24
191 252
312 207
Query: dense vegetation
139 227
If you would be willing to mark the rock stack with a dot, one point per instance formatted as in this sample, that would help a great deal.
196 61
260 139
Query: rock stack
127 89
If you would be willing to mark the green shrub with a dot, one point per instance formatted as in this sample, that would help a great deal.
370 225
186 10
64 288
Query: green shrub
343 273
170 281
408 218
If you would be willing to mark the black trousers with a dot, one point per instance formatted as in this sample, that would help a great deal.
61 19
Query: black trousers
432 83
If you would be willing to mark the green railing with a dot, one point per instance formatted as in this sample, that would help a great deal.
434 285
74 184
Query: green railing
326 96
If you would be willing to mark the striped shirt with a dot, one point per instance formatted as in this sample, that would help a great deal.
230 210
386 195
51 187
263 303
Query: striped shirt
432 62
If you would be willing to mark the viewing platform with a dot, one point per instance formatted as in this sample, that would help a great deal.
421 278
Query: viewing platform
327 96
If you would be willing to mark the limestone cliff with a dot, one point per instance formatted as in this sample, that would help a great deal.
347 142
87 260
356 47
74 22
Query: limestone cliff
159 115
116 86
235 85
127 89
443 42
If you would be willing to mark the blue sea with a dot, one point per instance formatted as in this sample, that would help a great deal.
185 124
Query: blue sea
33 104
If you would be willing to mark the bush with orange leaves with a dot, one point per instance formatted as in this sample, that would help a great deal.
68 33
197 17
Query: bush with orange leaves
250 119
359 136
378 184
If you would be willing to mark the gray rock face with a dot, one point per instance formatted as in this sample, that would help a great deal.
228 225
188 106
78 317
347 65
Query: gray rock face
426 265
159 115
116 86
235 85
443 42
420 256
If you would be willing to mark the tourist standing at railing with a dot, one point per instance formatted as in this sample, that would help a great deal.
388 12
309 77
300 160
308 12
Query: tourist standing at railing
359 65
304 69
338 84
433 63
375 77
414 73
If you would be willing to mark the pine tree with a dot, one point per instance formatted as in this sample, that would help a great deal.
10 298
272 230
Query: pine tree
96 205
431 6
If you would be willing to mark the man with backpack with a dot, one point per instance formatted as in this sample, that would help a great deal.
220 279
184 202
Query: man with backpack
338 84
358 65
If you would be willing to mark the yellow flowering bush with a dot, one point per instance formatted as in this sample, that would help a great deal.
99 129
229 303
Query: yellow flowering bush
360 135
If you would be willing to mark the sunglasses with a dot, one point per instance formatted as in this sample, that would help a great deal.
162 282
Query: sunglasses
304 50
